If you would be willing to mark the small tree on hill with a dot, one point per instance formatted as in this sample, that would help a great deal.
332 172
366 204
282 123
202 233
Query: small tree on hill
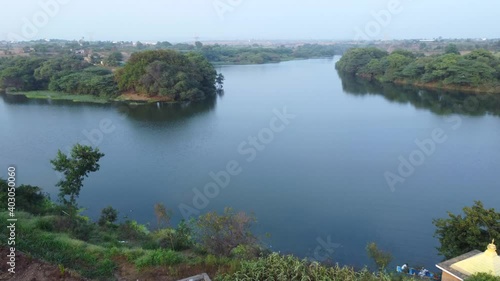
108 215
75 168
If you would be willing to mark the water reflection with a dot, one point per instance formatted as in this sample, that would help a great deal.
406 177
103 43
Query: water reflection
153 112
437 101
167 112
23 100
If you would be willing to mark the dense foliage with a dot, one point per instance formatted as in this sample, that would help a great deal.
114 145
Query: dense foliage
69 74
474 230
164 72
355 59
168 73
28 198
258 55
479 69
99 72
19 73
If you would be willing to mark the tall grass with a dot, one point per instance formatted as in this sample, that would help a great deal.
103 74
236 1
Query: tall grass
58 248
288 268
159 258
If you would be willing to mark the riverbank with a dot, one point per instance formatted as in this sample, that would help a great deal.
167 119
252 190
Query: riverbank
288 59
141 257
125 97
485 89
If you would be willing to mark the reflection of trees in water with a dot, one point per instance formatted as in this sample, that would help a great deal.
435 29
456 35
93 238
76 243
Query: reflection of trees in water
142 112
161 112
21 99
437 101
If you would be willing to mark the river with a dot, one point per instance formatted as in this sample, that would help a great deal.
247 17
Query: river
304 151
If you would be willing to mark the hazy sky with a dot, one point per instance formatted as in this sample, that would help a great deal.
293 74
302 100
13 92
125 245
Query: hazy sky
182 20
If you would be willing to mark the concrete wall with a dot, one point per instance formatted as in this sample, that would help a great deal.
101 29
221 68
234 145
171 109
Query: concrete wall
448 277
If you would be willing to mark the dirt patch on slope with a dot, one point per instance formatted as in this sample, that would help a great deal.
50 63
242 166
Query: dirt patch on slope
30 269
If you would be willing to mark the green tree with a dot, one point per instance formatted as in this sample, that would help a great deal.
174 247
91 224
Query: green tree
373 68
438 68
168 73
404 53
75 168
459 234
381 258
163 45
114 59
451 49
139 45
355 59
469 73
28 198
97 81
19 74
108 215
60 66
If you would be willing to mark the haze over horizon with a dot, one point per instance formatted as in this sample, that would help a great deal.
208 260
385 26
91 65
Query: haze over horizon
167 20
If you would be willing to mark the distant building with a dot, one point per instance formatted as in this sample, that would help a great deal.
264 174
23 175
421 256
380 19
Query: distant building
466 265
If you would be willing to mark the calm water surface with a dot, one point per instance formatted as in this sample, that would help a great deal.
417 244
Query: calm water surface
320 179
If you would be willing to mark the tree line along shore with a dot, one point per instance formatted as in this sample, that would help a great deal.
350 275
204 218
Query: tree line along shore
477 71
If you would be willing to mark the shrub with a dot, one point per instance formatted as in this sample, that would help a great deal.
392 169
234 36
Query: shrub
28 198
210 260
108 216
131 230
245 252
176 239
220 234
45 223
